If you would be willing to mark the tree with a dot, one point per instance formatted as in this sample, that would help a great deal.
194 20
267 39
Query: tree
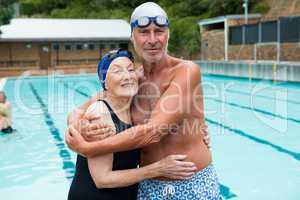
42 7
6 11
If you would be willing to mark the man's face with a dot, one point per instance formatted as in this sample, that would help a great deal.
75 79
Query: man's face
150 42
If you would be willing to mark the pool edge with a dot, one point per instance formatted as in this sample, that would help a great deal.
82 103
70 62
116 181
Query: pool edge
2 83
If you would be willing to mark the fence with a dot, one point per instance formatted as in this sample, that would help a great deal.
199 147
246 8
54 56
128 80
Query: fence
251 70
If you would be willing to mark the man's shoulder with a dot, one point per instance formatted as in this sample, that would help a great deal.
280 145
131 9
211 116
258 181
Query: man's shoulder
187 67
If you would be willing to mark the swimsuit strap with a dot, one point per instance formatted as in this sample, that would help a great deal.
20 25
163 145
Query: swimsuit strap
114 116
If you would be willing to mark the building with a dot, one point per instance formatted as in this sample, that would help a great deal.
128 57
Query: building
260 49
215 35
274 36
229 38
51 44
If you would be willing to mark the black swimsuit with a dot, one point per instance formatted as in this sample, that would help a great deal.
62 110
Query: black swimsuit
83 186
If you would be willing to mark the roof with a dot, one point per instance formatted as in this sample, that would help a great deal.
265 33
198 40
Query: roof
226 17
31 29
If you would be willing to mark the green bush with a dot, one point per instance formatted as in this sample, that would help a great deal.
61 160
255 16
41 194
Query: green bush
261 7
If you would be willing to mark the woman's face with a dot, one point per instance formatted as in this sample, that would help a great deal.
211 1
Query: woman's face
121 79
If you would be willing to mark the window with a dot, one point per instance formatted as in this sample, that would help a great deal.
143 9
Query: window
236 35
55 46
28 46
251 33
290 29
269 31
102 46
123 46
78 46
91 47
85 46
68 47
112 46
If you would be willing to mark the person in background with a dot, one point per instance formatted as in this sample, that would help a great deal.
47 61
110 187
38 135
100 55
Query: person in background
5 114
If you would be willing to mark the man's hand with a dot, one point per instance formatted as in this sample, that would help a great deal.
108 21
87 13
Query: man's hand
206 137
75 141
93 130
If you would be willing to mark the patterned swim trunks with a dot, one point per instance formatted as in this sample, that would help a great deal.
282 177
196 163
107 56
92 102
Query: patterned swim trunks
203 185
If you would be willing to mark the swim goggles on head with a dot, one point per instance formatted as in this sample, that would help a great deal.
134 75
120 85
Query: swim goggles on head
107 59
145 21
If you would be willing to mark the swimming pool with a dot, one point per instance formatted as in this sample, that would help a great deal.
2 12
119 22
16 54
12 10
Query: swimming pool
255 141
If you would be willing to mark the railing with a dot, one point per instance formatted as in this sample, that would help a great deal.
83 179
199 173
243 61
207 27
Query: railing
282 71
19 63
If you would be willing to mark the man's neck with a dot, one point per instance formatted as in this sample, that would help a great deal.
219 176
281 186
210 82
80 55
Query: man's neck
152 68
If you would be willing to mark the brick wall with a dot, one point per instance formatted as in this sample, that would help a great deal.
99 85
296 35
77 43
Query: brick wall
213 45
238 22
266 52
240 52
288 52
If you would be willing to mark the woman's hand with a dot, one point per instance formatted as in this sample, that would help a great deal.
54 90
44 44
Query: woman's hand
206 137
174 167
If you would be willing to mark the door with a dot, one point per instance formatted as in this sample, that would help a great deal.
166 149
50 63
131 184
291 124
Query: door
45 56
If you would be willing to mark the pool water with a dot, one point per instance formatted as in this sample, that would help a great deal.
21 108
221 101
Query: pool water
254 127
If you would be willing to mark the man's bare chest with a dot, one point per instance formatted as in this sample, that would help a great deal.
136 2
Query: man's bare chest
145 101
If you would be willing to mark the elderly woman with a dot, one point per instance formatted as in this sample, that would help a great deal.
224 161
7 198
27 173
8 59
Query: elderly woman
115 176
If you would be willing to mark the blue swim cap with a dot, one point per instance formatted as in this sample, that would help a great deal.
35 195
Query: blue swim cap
107 59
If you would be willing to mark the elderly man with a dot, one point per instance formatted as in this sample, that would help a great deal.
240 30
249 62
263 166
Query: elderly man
167 113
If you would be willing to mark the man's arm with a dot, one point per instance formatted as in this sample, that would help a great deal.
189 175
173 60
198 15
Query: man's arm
174 104
77 113
91 131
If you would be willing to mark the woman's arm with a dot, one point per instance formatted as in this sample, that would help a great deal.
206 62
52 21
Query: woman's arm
172 167
101 166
